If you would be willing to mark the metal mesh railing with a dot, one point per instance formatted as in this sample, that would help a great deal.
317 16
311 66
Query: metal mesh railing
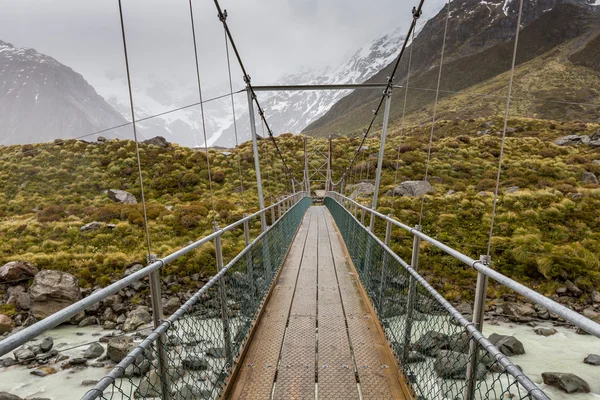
191 354
441 354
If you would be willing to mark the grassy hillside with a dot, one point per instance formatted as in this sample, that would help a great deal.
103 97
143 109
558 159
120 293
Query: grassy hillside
546 232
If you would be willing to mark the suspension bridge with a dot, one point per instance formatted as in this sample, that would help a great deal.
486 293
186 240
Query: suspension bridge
317 305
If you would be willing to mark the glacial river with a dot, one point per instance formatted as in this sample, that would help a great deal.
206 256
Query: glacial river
562 352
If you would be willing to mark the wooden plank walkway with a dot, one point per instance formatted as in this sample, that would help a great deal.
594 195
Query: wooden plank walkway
317 338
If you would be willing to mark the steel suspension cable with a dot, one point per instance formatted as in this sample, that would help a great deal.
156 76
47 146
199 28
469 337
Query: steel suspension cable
212 197
506 115
417 11
235 132
410 55
137 149
435 104
222 15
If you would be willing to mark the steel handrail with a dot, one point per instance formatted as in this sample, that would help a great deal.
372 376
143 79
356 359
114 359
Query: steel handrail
14 341
572 316
470 327
120 368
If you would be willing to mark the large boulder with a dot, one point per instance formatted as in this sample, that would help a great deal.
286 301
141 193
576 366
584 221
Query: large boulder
588 177
431 342
137 318
121 196
118 347
157 141
95 350
6 323
414 188
592 140
18 296
566 382
8 396
17 270
362 189
453 365
508 345
592 359
519 312
171 305
52 291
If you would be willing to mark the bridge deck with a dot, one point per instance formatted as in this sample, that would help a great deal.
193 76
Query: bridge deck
317 337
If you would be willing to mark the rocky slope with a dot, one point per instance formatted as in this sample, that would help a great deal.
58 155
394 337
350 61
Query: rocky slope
479 49
42 100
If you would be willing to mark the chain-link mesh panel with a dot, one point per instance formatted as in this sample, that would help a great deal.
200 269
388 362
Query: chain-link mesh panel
191 354
439 357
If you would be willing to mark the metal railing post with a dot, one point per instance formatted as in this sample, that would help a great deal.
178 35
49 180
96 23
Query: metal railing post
272 215
386 117
478 313
412 294
223 298
261 199
279 210
388 236
362 216
249 266
157 316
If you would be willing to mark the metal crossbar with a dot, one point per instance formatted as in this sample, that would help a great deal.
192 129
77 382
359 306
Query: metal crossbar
430 338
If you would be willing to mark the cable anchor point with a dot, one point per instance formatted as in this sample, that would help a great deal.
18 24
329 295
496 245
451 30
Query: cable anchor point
223 16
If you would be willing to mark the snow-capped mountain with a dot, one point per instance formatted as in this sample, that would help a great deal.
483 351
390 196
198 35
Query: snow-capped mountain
42 100
293 111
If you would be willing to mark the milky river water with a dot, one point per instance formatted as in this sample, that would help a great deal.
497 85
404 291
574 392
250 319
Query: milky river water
562 352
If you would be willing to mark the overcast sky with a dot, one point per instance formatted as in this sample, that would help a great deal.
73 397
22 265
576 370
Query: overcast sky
274 36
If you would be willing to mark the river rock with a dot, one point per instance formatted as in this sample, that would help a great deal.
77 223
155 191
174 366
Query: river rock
431 342
150 385
566 382
52 291
592 359
89 382
8 396
88 321
17 270
95 350
459 342
508 345
157 141
137 318
519 312
573 289
6 323
414 188
195 363
18 296
121 196
47 344
171 305
23 354
595 296
453 365
591 314
545 331
118 347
